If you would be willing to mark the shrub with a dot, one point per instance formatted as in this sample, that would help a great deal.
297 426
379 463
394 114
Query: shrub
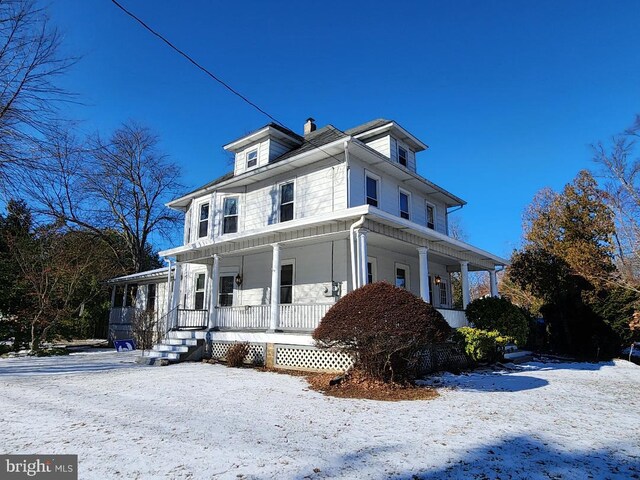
237 353
499 314
384 328
482 345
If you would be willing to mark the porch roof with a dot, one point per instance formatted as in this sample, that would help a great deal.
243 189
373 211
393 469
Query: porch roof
158 273
282 232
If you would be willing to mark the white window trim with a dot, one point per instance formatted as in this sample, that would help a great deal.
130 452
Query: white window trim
374 268
408 194
406 156
237 215
279 187
405 267
230 272
195 220
443 286
378 180
426 214
290 261
246 157
195 289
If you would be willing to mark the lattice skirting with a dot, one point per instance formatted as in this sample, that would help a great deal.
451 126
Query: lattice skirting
311 358
256 352
443 356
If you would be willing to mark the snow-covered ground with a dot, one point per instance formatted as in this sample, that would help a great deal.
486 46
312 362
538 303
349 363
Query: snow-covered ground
536 421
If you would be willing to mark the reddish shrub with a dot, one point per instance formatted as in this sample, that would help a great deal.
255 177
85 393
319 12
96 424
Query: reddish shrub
236 354
384 327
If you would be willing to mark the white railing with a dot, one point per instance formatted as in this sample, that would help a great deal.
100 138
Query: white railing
302 316
248 316
455 318
191 318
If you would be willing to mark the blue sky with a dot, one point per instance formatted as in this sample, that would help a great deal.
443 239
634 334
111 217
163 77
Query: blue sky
508 95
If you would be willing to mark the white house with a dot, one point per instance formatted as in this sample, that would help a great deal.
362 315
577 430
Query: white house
301 221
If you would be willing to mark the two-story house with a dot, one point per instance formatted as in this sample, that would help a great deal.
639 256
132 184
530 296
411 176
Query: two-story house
304 219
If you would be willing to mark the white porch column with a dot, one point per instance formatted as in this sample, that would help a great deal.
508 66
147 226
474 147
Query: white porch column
213 292
113 296
361 234
423 257
274 320
169 283
464 276
175 298
493 283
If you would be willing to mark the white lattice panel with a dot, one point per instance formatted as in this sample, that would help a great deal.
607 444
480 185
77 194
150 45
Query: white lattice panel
255 355
309 358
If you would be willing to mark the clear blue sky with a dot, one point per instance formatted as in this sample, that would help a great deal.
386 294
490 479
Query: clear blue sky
508 95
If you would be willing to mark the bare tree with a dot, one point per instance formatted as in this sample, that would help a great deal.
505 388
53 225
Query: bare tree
116 189
30 63
620 167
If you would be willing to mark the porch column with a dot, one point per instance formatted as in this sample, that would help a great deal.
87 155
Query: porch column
169 283
464 276
423 253
274 320
113 295
361 234
213 292
493 283
175 299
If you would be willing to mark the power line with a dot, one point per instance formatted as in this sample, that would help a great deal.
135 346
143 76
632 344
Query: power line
210 74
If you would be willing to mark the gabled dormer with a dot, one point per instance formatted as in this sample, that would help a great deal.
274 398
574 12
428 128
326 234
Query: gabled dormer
391 140
262 146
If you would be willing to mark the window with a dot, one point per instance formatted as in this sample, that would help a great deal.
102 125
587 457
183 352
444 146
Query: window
286 202
430 291
430 216
443 294
401 277
230 215
203 225
372 270
404 204
199 297
130 297
225 291
252 158
286 283
151 297
402 156
118 300
372 191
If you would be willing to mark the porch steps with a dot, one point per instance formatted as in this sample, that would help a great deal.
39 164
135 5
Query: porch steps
178 346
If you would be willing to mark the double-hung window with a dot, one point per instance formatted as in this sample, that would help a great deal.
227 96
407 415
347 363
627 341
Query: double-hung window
225 291
402 156
286 202
286 283
151 297
404 204
431 214
199 292
203 222
371 186
402 276
444 300
252 158
230 215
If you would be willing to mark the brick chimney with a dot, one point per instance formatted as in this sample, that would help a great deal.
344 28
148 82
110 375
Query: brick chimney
309 126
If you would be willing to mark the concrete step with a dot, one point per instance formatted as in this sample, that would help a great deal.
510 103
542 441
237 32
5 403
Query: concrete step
187 334
167 355
163 347
190 342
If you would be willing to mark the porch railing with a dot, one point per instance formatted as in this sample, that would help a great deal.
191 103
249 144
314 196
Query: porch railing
455 318
248 316
191 318
302 316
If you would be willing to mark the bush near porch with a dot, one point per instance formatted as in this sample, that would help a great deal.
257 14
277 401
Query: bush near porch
492 313
385 328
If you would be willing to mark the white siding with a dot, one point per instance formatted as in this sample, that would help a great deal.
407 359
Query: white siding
380 144
276 149
411 156
241 156
389 200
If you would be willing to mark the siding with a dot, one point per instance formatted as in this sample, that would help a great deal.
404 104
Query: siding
411 156
389 200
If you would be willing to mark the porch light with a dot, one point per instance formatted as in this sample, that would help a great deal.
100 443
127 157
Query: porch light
437 279
238 280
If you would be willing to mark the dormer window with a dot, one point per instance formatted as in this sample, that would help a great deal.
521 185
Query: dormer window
252 158
402 156
203 224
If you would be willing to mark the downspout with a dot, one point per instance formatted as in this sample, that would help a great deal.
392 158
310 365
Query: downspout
354 277
347 170
169 287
